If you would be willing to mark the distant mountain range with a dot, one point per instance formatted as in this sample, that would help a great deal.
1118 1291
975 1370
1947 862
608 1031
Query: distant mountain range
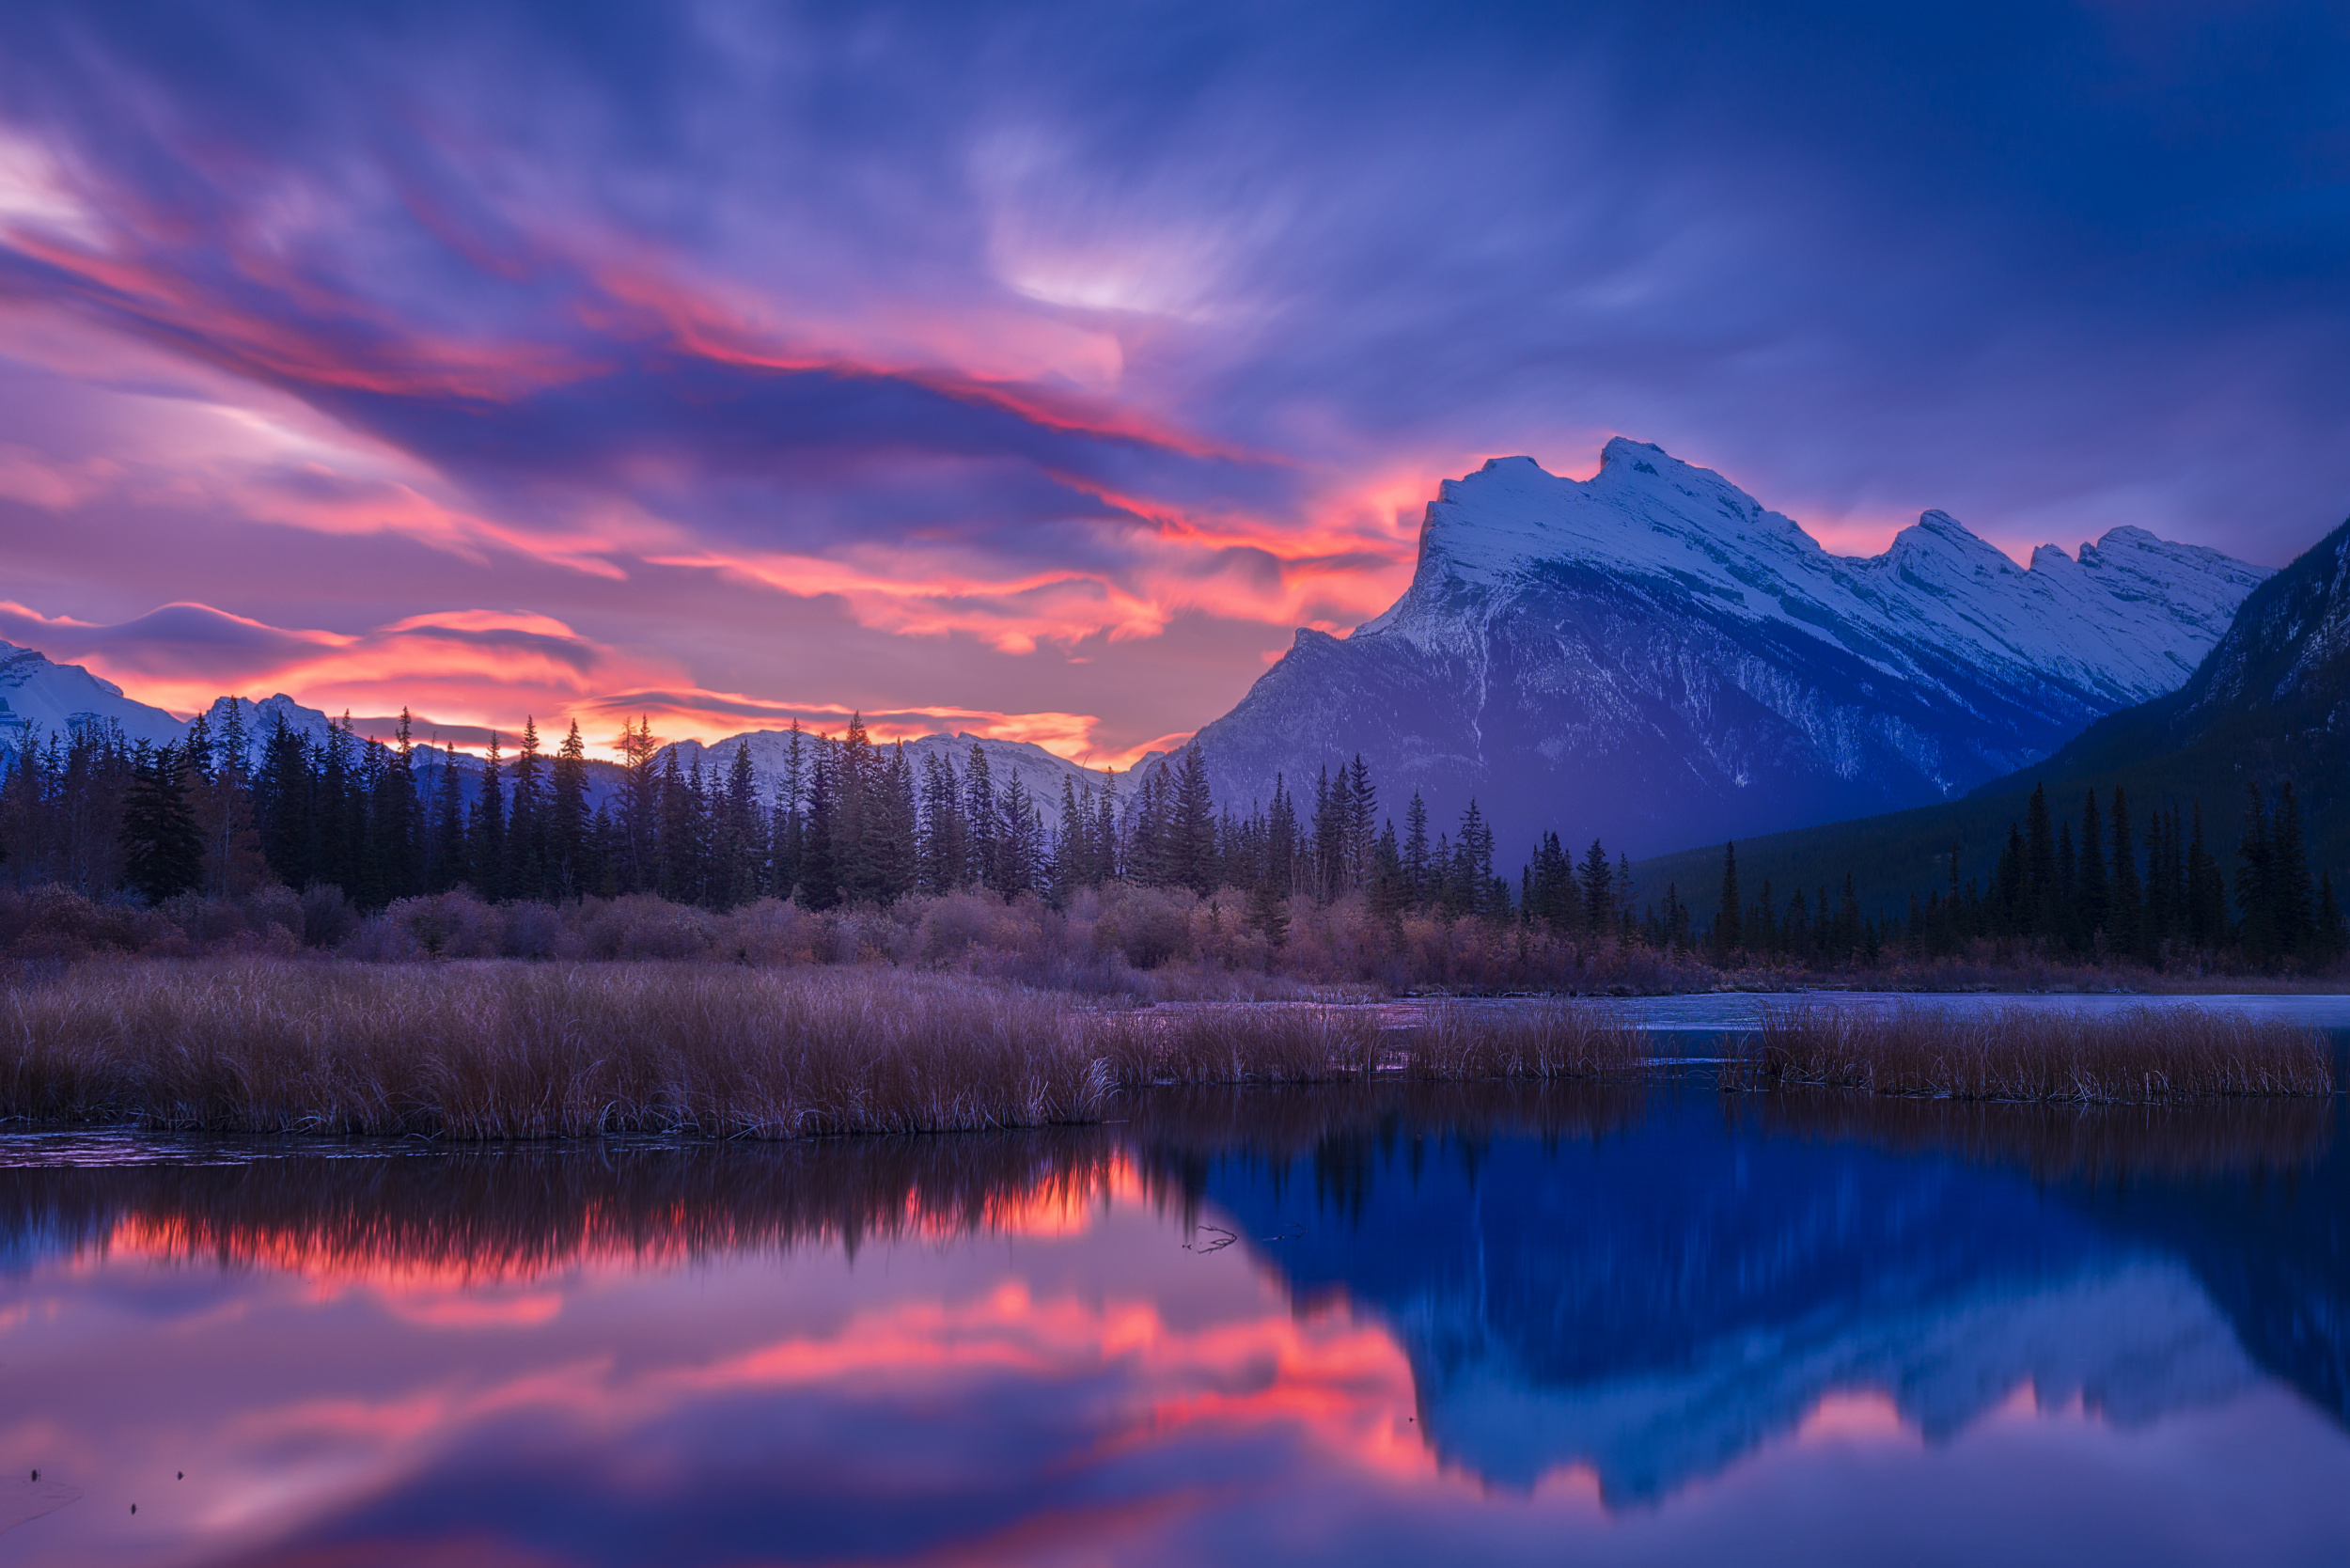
1649 656
1652 657
2270 701
39 698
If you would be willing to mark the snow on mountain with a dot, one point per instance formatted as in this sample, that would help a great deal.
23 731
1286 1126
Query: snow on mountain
1040 771
39 698
1652 656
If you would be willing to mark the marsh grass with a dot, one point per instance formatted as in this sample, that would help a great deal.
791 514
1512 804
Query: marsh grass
503 1050
2141 1057
1542 1039
514 1051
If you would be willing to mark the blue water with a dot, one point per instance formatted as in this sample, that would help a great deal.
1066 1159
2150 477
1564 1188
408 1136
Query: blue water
1479 1324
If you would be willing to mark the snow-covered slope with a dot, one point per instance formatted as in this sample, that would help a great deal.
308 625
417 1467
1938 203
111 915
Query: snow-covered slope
1039 770
1652 656
39 698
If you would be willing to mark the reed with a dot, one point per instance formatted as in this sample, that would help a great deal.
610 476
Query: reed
1275 1044
2143 1056
1542 1039
514 1051
502 1050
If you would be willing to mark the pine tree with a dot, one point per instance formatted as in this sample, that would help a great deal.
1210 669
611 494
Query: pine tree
1598 880
163 844
639 869
485 835
946 846
570 870
1727 939
1193 826
1416 867
2094 898
979 820
2038 911
2127 896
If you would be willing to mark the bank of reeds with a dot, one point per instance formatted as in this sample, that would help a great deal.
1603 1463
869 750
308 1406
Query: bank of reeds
506 1050
522 1051
1545 1040
2142 1056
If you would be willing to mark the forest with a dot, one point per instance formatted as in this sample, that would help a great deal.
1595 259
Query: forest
853 824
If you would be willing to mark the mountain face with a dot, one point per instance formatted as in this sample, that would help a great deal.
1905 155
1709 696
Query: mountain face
2269 703
39 699
1652 656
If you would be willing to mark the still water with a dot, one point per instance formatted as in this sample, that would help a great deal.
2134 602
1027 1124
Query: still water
1605 1325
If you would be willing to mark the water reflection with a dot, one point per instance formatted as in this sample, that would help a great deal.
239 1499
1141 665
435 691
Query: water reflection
1364 1324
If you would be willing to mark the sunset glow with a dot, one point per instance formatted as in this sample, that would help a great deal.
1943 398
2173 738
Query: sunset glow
324 369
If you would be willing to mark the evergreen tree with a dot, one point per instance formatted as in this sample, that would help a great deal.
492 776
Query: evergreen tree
485 834
1728 938
979 818
163 844
946 846
1191 835
2094 898
1599 903
1416 867
569 871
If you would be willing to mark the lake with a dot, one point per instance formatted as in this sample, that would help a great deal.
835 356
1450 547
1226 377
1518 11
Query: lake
1472 1323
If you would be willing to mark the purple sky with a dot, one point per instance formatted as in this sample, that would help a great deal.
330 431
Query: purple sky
1034 370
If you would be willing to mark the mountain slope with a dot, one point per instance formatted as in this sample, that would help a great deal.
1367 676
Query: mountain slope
2270 701
1652 656
39 698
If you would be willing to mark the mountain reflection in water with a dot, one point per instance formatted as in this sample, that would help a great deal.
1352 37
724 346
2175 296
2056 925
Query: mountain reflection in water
1364 1323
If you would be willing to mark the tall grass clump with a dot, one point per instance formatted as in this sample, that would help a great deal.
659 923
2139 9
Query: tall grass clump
516 1051
1542 1039
2145 1056
1267 1042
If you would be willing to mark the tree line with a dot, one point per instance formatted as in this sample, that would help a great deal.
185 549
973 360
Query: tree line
850 821
2106 892
846 821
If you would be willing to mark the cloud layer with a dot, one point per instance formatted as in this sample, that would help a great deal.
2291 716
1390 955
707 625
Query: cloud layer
1048 364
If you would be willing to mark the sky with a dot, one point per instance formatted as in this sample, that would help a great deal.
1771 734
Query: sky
1036 370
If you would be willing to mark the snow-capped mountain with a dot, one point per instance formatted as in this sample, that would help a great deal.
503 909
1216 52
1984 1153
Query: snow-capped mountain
1040 771
39 698
1652 656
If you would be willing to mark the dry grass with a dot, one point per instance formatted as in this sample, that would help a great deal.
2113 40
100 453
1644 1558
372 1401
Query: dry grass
496 1050
1540 1040
1261 1043
515 1051
2145 1056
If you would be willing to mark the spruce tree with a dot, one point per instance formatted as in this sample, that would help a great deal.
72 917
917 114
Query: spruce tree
163 844
485 834
570 870
1193 833
1728 938
2094 896
979 820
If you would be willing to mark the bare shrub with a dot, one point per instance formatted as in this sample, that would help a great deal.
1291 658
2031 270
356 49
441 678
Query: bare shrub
2143 1056
642 926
